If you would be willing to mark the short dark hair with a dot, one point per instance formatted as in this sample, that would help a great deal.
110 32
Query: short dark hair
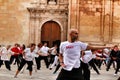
115 46
39 45
32 44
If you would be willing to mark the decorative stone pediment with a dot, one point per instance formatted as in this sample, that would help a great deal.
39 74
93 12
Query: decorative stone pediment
51 11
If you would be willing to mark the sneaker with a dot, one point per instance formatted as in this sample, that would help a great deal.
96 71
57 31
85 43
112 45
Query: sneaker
50 68
54 72
115 74
107 69
30 77
9 69
98 73
38 69
15 76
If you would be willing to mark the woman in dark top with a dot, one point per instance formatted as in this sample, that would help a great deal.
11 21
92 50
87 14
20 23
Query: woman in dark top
113 56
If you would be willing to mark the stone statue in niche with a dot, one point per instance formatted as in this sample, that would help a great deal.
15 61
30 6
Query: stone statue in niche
52 2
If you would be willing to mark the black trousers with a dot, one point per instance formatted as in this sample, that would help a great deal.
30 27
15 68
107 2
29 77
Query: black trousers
109 64
7 64
45 58
51 59
29 63
98 63
92 64
16 58
57 68
74 74
118 66
37 59
85 71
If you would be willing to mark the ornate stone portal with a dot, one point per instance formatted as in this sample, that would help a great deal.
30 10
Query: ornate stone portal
45 11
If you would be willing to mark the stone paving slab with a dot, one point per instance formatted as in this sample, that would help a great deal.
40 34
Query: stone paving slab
46 74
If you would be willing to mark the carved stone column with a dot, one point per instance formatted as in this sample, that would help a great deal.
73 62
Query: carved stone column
32 26
37 24
74 15
32 30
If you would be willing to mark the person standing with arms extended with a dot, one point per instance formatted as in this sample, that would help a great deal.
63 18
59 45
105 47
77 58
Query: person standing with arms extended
70 52
28 55
4 56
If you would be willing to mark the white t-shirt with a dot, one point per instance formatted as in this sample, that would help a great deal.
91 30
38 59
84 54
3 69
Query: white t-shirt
106 50
71 54
44 49
5 54
29 56
53 52
37 50
88 56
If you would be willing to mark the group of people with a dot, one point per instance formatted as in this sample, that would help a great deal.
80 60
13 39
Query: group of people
32 54
73 56
10 53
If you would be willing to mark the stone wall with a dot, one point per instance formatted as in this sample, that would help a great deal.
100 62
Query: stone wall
14 21
97 22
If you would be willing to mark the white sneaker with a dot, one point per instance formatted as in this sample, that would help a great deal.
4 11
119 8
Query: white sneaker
30 77
115 74
15 76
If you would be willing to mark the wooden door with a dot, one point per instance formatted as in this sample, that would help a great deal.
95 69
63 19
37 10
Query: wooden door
50 32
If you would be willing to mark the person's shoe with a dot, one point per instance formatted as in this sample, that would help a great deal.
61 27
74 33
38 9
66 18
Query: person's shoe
107 69
15 76
99 68
115 74
14 63
38 69
9 69
54 72
98 73
50 68
31 77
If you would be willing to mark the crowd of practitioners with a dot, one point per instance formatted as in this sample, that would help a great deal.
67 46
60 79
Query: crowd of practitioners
33 54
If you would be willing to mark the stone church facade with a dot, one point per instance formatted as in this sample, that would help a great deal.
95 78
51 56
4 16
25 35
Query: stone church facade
27 21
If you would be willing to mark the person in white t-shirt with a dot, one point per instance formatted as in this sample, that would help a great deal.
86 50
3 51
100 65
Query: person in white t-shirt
5 56
86 58
69 56
53 52
44 53
37 58
28 56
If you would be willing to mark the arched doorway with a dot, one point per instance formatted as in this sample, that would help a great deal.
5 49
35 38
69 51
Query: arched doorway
50 33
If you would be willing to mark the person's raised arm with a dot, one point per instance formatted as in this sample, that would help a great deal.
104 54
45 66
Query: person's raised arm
89 47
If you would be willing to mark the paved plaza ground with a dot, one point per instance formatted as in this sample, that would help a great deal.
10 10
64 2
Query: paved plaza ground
46 74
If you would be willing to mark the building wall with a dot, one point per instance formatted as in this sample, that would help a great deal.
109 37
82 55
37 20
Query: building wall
97 21
14 19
